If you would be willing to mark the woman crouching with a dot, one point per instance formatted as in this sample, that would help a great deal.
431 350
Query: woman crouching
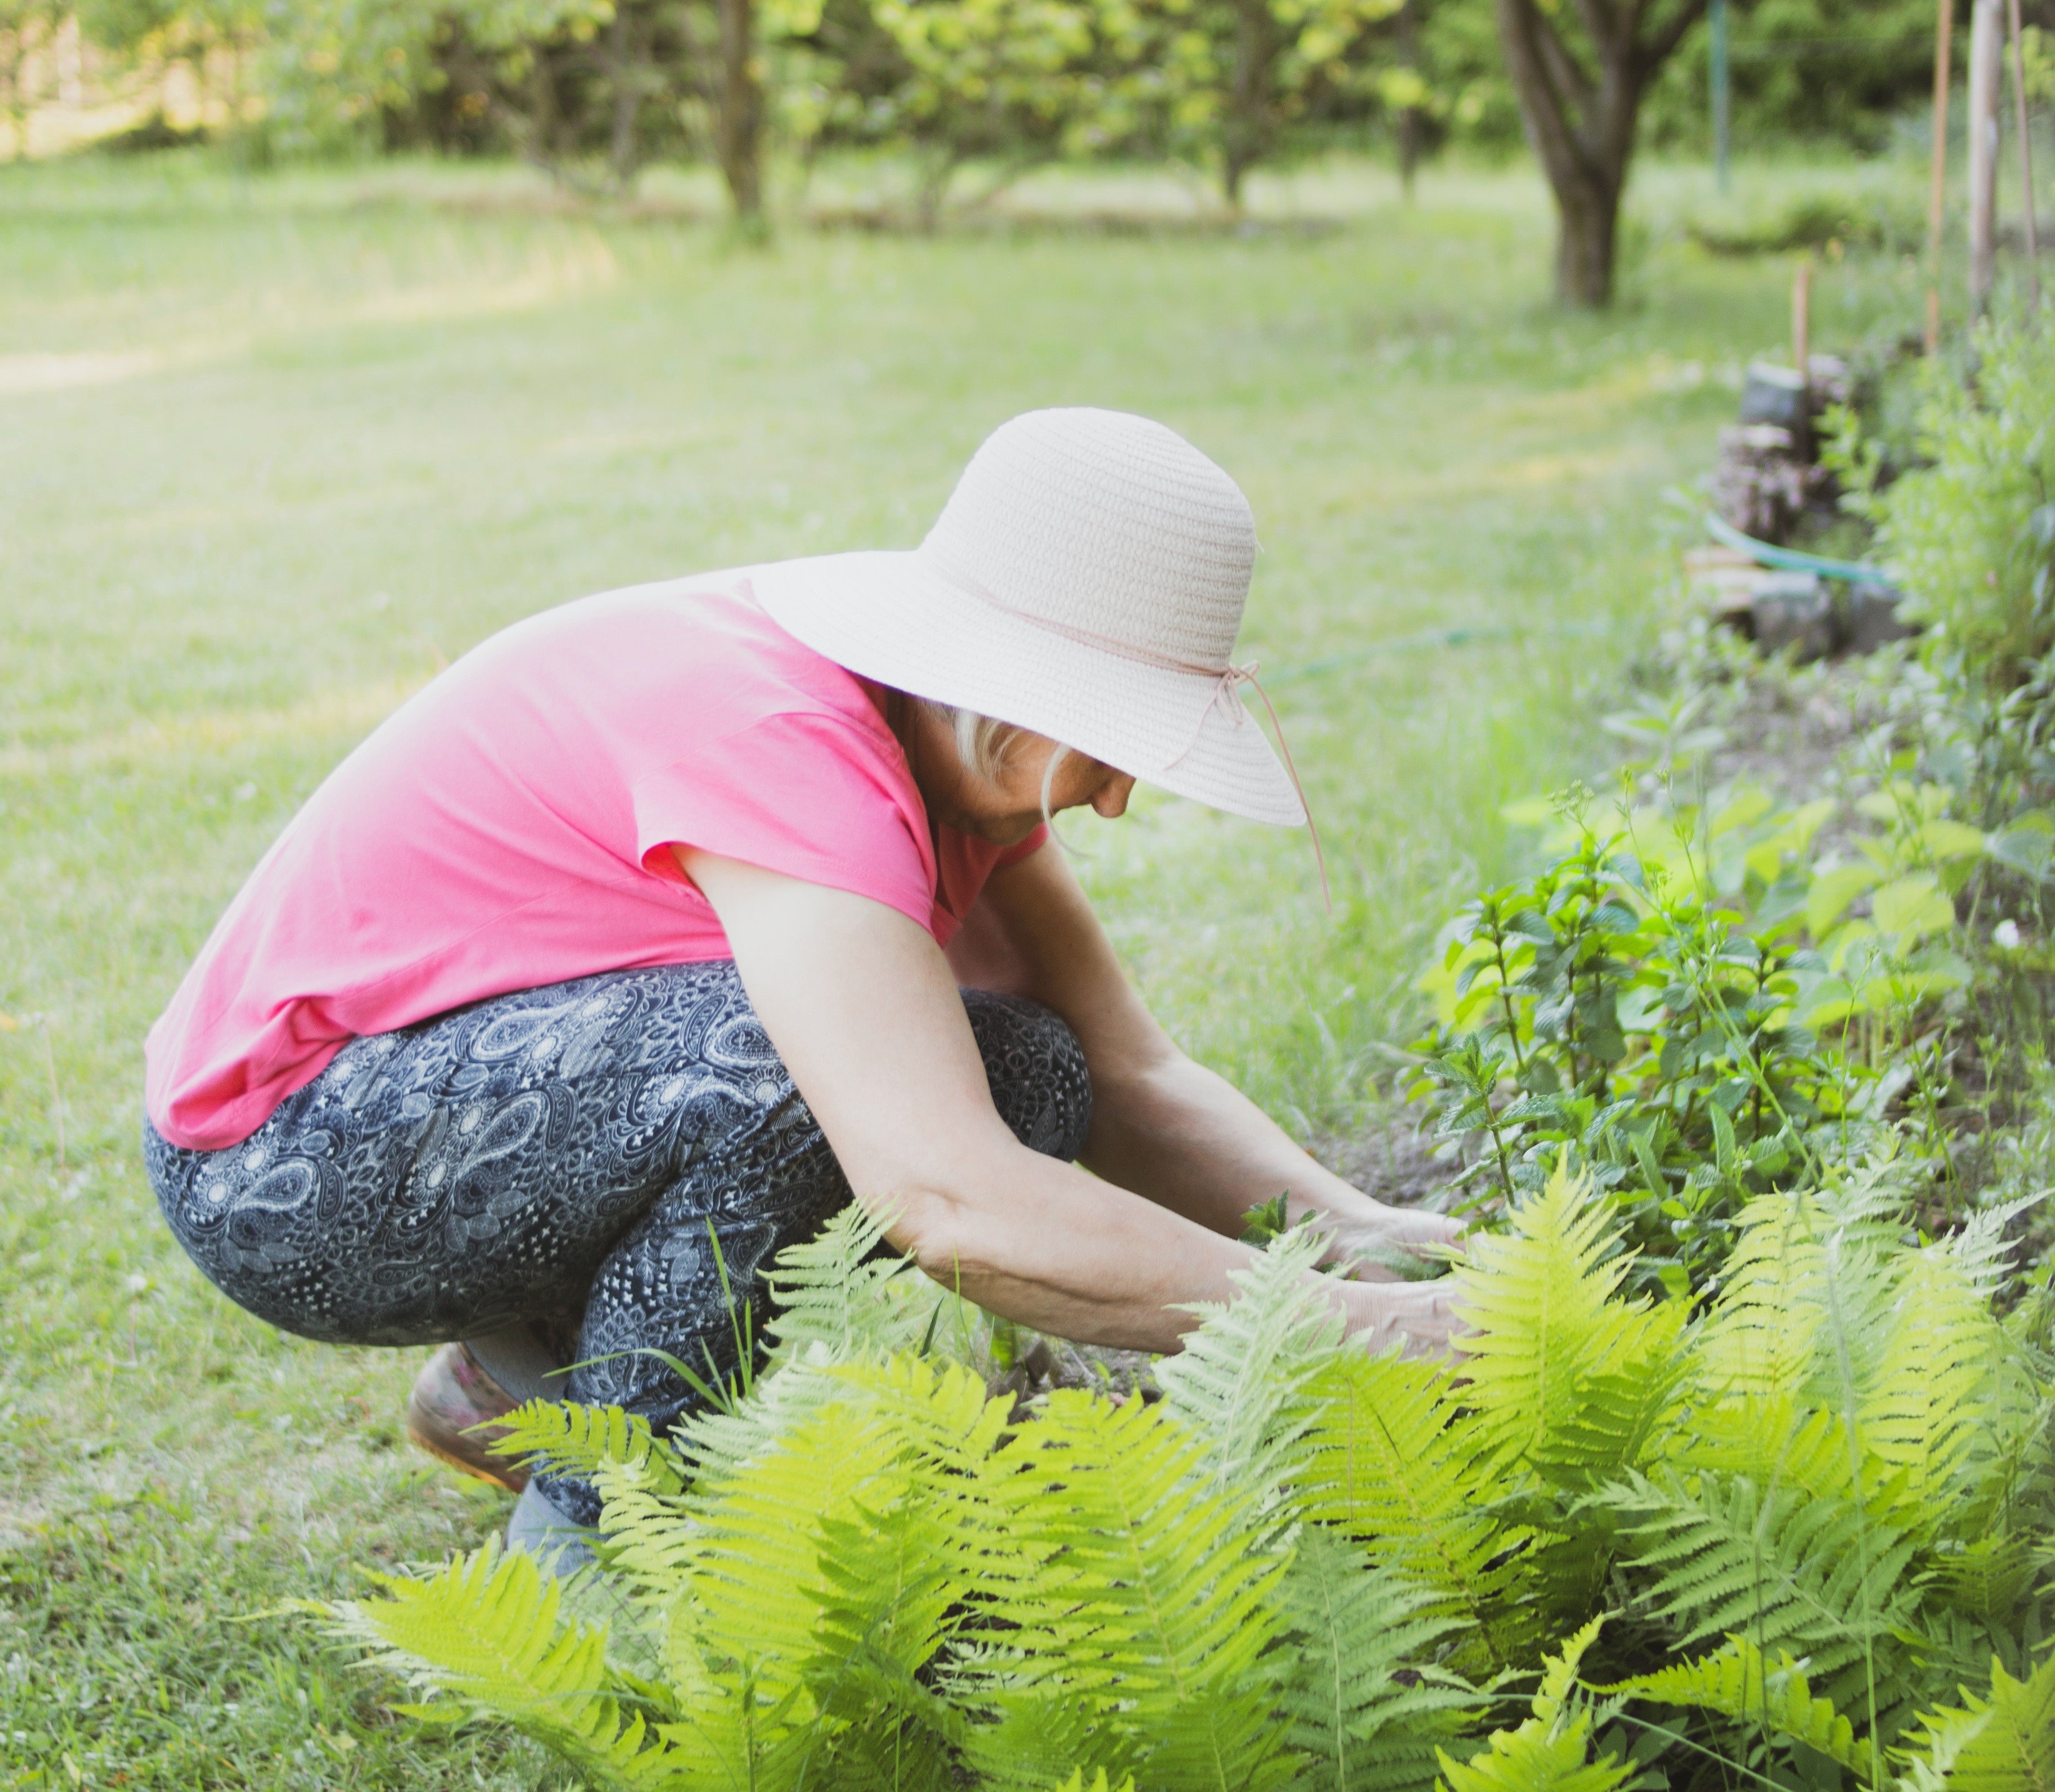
620 955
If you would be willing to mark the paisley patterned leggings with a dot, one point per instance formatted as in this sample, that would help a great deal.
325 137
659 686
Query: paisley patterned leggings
556 1155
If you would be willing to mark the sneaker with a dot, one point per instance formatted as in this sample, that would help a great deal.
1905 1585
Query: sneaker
452 1396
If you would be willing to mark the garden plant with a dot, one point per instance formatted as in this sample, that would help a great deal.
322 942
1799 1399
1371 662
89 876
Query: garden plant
287 441
1746 1475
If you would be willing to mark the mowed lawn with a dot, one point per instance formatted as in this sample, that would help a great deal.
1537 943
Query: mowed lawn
272 450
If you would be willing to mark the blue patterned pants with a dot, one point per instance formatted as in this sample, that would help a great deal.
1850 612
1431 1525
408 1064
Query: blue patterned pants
564 1156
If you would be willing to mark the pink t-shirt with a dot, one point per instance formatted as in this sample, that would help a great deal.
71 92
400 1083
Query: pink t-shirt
511 826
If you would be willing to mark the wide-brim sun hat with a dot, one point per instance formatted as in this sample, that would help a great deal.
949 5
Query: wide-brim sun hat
1086 581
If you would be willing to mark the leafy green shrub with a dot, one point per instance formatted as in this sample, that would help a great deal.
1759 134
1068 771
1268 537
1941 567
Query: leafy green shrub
1816 220
1777 1533
1971 534
1698 1007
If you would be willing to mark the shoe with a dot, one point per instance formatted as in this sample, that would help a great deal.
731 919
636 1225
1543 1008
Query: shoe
451 1396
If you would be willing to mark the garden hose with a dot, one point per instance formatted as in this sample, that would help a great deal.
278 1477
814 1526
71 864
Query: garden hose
1790 560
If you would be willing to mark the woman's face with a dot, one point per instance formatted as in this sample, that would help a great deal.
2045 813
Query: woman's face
1007 809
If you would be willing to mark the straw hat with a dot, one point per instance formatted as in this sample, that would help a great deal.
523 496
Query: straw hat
1086 580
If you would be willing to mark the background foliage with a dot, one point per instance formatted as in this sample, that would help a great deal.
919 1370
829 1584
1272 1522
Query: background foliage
597 88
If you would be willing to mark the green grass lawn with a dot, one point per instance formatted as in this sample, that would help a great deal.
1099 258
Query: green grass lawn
272 450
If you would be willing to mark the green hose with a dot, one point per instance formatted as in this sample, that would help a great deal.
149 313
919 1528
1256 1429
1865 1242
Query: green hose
1790 560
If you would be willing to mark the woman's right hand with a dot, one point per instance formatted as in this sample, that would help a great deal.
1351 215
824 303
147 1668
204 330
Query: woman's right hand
1421 1314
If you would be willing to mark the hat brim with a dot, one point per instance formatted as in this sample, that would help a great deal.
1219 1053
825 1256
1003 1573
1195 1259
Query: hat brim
892 617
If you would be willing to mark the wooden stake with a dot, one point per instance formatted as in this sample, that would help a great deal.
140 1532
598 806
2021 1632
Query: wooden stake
1801 320
2025 157
1986 44
1937 204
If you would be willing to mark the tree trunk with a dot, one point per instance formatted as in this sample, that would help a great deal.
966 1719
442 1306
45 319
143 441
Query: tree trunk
1246 132
1579 103
1587 230
623 154
1985 39
542 110
739 124
1410 127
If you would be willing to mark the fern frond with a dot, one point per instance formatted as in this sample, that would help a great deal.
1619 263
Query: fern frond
884 1601
487 1629
1244 1382
1775 1698
1772 1440
1551 1751
1814 1577
1762 1340
574 1440
838 1292
1924 1399
1356 1722
1986 1579
711 1442
754 1555
1982 1249
1398 1463
2004 1743
1565 1376
1098 1783
822 1576
1150 1613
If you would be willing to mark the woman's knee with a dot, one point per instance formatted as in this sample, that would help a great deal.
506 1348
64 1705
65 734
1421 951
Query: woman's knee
1036 1068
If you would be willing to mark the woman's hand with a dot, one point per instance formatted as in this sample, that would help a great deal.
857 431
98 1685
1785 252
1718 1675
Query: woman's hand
1420 1314
1383 1243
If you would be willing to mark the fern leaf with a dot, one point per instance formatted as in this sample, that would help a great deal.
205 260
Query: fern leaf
1982 1249
815 1581
1551 1751
574 1440
1763 1336
1984 1580
1816 1578
1356 1722
1151 1613
1775 1442
884 1600
1098 1782
1244 1379
1923 1401
711 1442
1566 1376
843 1294
1398 1463
1736 1682
487 1627
2005 1743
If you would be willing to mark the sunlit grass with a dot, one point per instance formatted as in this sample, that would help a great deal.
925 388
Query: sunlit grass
277 449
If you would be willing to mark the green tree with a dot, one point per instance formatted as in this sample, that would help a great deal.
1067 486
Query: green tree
1236 76
25 25
1804 70
1579 71
1010 81
166 33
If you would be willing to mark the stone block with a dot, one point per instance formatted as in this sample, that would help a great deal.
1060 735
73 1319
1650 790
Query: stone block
1794 614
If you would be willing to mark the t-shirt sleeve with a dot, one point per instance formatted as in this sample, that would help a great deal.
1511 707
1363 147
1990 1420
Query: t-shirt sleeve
807 795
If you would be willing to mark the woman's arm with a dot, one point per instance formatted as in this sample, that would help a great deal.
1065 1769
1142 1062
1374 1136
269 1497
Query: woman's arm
1162 1125
863 1008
